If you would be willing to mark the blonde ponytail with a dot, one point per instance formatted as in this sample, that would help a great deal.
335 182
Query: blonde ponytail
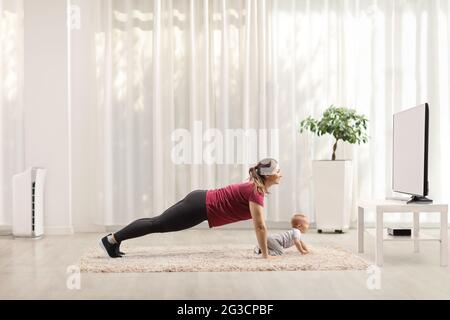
258 180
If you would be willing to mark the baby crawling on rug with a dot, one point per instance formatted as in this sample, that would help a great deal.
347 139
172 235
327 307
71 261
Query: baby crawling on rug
276 243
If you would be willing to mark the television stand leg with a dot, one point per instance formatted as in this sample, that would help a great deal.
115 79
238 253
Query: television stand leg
444 238
416 231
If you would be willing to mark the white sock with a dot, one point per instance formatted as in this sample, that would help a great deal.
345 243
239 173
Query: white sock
111 239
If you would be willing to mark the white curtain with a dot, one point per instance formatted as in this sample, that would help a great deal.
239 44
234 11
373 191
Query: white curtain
262 65
167 65
11 102
378 56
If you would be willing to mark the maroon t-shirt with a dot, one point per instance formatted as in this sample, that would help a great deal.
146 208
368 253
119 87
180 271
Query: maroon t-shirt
230 204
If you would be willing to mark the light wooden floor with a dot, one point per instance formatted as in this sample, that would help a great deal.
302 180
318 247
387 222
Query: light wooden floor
36 269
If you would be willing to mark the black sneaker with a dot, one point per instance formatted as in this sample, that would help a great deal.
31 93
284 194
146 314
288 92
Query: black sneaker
117 247
110 249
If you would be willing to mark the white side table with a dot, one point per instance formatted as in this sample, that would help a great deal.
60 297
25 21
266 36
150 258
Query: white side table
381 206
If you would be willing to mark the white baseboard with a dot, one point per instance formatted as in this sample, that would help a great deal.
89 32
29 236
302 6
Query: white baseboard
5 230
204 225
246 225
242 225
423 225
234 226
91 228
58 230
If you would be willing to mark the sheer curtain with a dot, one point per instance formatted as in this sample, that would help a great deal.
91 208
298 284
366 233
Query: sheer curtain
167 65
378 56
262 65
11 104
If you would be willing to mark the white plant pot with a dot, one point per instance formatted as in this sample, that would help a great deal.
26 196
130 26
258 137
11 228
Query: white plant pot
332 194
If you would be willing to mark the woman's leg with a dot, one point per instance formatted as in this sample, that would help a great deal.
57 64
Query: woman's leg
183 215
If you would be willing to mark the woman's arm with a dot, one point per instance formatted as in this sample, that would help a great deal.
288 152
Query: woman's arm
259 223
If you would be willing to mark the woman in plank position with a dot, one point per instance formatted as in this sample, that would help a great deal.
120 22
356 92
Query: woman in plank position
236 202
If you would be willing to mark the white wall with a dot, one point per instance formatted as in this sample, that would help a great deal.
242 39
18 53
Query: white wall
46 105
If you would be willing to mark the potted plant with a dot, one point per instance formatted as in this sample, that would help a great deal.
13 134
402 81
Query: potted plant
333 178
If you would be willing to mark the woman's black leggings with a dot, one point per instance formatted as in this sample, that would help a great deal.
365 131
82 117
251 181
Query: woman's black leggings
185 214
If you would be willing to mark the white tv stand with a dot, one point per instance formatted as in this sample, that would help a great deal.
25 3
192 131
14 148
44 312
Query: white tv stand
403 199
381 206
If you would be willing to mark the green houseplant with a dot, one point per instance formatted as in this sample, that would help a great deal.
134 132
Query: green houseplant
342 123
333 180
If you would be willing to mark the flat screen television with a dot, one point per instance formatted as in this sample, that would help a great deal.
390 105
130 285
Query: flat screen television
410 153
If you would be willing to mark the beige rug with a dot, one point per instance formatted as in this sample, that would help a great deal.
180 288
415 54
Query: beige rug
214 258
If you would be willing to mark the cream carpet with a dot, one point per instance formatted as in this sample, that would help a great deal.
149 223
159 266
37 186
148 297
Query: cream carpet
214 258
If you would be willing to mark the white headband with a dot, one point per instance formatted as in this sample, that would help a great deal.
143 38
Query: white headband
267 171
